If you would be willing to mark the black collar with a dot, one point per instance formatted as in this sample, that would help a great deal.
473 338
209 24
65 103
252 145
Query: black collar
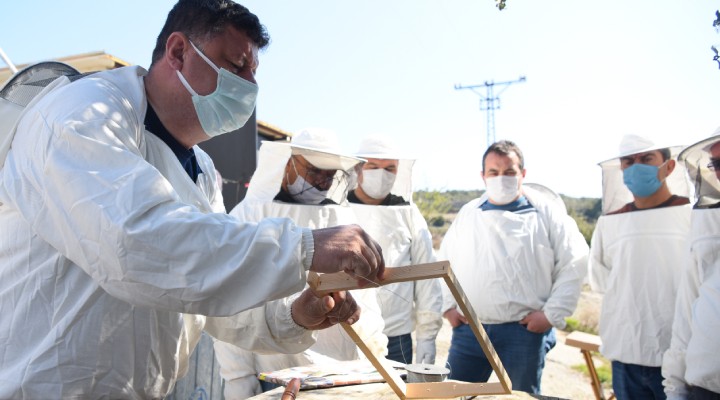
185 156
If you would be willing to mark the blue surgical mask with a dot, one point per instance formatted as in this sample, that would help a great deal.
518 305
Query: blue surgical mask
642 179
229 107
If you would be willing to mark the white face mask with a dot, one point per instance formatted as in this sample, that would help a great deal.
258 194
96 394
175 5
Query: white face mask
503 189
303 192
229 107
377 183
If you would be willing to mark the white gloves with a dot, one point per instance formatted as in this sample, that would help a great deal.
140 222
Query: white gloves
425 351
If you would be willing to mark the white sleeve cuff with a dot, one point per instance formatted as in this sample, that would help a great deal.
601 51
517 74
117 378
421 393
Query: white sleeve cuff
307 248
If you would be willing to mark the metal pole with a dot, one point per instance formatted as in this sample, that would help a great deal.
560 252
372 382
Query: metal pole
7 61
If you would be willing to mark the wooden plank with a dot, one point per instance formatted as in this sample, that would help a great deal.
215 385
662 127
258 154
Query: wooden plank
477 328
584 341
391 376
327 283
451 389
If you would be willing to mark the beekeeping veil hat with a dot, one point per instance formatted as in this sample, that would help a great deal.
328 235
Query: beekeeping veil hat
318 146
615 194
381 147
696 158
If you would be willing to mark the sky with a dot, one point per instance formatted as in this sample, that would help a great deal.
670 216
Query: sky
595 70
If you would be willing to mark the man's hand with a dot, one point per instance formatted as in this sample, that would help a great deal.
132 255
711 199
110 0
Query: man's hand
536 322
347 248
455 318
315 313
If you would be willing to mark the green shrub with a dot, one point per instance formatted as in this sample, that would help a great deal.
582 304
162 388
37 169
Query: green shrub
604 371
575 325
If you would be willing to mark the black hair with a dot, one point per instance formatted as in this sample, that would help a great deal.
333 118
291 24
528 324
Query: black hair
665 153
204 19
504 148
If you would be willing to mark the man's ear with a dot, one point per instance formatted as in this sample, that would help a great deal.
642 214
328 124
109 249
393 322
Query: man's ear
669 167
175 49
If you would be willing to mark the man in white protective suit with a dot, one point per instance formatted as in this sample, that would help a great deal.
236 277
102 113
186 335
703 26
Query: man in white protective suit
382 202
520 260
113 228
690 366
637 254
304 180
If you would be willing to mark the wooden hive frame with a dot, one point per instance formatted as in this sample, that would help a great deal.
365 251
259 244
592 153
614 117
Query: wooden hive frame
323 284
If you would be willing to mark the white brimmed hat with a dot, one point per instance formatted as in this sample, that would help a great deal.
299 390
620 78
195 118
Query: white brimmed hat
379 147
321 149
614 192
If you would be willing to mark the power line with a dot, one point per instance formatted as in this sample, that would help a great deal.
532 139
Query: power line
490 101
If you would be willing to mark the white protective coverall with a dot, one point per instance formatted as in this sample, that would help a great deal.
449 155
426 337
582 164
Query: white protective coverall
510 264
106 242
402 232
636 260
240 367
691 359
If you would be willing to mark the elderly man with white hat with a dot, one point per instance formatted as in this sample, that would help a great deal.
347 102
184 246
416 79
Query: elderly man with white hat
636 258
305 180
382 201
689 367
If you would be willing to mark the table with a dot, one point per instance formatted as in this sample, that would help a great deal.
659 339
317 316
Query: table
588 343
372 391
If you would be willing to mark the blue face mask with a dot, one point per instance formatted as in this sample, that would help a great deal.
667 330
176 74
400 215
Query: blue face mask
229 107
642 179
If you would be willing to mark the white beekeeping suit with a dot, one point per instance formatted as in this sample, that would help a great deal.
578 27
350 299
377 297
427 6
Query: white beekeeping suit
403 234
240 367
103 230
489 247
691 361
635 260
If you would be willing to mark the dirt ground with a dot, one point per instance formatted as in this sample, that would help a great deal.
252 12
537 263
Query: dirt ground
559 378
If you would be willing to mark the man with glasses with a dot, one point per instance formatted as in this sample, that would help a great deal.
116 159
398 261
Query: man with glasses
637 253
305 180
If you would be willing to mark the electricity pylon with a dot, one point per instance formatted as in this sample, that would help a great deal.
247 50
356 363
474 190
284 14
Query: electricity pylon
490 101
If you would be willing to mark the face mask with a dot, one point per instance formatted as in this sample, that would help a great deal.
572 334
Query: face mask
502 189
229 107
642 179
305 193
377 182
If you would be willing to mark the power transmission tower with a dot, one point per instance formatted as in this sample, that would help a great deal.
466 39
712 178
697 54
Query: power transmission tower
490 101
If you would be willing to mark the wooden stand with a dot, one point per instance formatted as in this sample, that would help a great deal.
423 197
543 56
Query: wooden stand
587 344
328 283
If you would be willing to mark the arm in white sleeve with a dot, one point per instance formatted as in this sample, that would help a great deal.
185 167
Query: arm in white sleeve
598 270
83 185
673 363
266 329
427 292
571 252
448 300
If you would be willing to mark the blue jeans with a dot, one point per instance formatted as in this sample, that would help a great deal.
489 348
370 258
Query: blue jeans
521 352
698 393
631 381
400 348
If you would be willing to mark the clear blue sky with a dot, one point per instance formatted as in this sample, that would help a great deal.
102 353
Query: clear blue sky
595 70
